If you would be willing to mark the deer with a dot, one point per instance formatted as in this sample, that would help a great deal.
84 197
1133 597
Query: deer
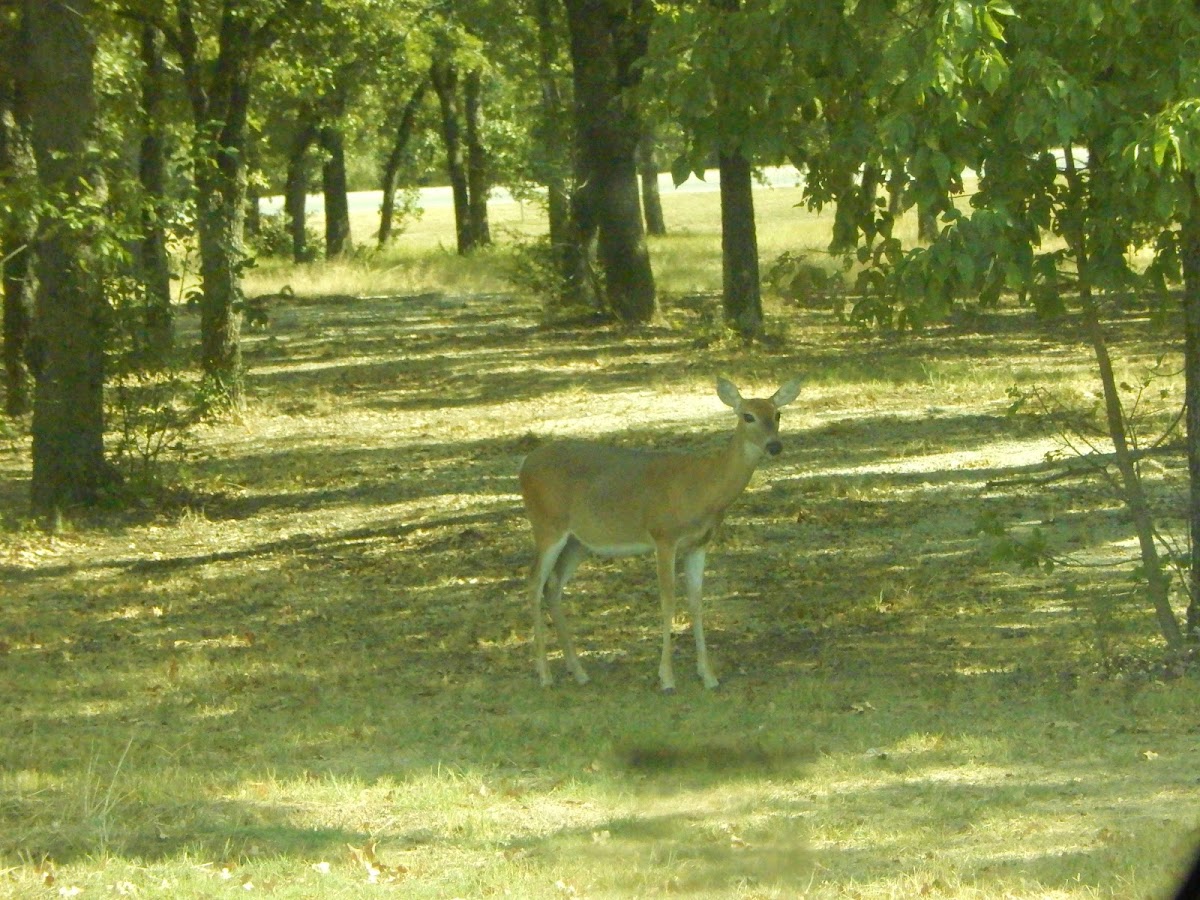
586 497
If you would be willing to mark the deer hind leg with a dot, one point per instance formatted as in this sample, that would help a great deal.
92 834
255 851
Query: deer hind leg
666 589
693 579
564 567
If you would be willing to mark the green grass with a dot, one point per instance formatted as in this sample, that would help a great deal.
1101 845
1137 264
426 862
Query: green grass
312 675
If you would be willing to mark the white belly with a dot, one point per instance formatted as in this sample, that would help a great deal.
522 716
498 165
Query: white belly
633 549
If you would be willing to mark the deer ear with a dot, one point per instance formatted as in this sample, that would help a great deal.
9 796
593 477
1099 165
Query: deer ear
787 393
728 393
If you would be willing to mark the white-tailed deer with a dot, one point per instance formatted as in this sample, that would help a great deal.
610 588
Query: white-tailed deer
583 496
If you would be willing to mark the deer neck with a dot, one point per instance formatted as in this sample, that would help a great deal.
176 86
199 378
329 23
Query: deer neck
736 464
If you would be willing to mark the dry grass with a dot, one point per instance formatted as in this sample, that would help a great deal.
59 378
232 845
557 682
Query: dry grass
312 676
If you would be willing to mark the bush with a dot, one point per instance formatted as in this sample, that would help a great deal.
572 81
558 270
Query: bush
274 238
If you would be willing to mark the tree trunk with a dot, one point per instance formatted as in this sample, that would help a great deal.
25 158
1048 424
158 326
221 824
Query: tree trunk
219 110
253 214
552 165
391 166
444 76
18 228
219 233
607 42
333 183
478 176
1133 491
1190 239
582 286
739 247
68 414
652 208
295 190
155 268
927 224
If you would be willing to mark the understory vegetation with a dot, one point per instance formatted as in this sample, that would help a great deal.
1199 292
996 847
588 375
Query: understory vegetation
305 669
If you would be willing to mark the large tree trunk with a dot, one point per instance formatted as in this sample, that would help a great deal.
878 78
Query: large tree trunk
478 176
652 208
155 268
395 158
68 415
739 246
444 76
333 183
1190 239
607 42
18 228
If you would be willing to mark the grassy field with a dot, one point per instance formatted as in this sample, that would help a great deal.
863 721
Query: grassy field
310 675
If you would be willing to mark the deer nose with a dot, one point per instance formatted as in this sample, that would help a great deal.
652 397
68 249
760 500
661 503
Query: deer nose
773 447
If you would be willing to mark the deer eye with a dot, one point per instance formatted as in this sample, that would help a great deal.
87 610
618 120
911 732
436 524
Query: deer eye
747 417
777 417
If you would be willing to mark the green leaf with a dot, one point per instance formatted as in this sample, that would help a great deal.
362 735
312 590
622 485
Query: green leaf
681 169
990 25
941 167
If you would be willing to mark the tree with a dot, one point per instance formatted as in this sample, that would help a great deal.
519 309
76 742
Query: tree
736 112
552 134
219 43
295 191
18 225
154 266
608 40
68 417
444 74
652 208
403 134
334 185
1081 124
456 73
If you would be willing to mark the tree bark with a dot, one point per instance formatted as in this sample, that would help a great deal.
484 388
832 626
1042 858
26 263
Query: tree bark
395 158
1190 238
739 247
652 208
18 228
444 76
333 182
478 174
607 42
153 261
68 417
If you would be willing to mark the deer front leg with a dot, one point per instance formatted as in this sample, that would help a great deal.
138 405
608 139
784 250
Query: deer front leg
666 590
693 578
